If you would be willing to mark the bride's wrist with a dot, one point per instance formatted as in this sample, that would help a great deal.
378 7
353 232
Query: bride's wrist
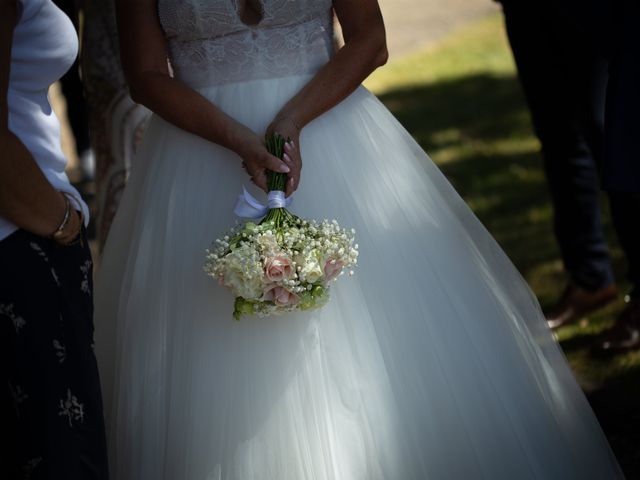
290 118
295 122
239 139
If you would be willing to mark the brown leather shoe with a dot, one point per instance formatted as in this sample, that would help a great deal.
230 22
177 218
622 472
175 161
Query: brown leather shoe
625 334
576 302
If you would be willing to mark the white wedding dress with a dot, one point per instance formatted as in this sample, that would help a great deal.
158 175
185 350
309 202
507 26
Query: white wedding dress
432 362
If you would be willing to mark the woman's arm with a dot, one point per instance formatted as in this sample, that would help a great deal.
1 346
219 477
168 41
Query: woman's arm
144 59
27 199
365 50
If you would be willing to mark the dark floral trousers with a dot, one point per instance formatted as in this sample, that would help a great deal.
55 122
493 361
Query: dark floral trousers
51 415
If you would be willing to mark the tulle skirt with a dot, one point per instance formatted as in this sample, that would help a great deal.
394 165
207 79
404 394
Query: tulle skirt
432 362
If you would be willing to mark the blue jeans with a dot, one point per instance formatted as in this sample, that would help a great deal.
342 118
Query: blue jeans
564 77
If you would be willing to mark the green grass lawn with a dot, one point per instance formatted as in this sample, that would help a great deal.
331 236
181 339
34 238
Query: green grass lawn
462 102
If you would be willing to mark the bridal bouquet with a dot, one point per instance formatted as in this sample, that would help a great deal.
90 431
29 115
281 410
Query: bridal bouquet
283 263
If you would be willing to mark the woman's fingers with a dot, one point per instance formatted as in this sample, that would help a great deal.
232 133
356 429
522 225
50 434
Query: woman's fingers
260 179
293 181
257 167
289 148
292 157
275 164
258 170
289 189
293 153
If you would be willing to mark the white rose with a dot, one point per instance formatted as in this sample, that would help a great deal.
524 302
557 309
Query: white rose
311 270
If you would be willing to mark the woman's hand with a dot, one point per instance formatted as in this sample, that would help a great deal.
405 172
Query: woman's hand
286 126
256 160
73 226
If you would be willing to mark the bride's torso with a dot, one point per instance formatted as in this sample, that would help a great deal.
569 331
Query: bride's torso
210 44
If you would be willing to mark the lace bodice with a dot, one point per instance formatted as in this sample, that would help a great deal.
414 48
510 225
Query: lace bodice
210 45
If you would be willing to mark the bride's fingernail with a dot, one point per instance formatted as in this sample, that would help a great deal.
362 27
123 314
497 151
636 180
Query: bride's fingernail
284 168
286 158
287 146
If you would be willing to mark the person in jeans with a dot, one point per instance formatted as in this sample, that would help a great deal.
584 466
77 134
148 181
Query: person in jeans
564 69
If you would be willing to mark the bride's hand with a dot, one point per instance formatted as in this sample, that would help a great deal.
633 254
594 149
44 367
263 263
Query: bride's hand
256 160
287 128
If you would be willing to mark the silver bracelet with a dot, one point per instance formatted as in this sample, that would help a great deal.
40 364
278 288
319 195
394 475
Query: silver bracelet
59 232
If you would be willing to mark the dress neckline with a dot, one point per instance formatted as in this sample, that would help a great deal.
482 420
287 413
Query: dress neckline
242 6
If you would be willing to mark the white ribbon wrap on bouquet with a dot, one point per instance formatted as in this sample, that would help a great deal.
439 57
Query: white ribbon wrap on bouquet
248 207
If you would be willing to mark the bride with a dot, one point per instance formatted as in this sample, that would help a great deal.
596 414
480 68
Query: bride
433 361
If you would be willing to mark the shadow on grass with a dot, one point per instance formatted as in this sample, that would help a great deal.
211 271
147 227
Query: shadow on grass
621 423
482 105
477 129
579 342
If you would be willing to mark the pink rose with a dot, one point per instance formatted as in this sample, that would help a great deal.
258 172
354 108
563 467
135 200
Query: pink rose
278 268
332 269
280 296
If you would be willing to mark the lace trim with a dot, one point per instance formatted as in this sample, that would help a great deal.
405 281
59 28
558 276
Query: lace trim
253 54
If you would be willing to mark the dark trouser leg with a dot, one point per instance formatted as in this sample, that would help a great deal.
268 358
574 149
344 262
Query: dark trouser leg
625 212
564 82
625 334
622 158
50 378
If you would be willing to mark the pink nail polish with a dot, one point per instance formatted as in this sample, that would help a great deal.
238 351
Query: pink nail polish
286 158
284 169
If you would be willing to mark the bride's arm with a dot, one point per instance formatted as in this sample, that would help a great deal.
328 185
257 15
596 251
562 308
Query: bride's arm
365 50
144 59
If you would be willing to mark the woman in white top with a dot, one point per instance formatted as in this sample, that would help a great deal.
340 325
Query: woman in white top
49 389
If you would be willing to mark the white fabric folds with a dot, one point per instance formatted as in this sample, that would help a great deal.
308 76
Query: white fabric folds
432 362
